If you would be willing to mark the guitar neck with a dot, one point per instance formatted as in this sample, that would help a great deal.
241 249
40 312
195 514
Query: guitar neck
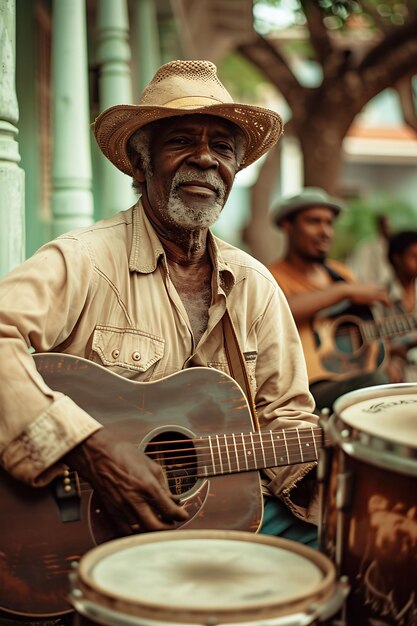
229 454
392 326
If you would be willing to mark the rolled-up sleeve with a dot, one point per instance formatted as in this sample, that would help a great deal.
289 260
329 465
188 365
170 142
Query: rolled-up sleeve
40 303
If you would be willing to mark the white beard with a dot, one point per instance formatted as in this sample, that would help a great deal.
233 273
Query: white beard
187 216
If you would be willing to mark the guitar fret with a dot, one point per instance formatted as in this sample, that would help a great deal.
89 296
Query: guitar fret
244 450
237 456
314 441
262 449
220 454
255 462
227 453
273 447
285 442
405 325
389 326
212 454
398 325
260 459
282 460
300 446
370 330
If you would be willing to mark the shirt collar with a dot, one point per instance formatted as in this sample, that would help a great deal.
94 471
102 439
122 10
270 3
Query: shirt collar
147 249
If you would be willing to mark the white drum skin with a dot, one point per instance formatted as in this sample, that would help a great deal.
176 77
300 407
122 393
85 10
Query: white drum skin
205 577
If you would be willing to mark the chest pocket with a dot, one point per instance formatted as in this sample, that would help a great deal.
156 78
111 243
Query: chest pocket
128 348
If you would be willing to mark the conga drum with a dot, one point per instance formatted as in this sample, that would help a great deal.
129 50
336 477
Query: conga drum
207 578
368 506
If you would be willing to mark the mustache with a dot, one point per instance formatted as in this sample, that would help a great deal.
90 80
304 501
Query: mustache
202 177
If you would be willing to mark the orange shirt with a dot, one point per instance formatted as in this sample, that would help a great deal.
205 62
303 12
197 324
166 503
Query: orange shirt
294 282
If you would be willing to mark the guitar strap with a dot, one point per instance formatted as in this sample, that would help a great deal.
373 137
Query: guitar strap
237 364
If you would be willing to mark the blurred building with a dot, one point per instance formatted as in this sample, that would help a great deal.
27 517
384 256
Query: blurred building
64 61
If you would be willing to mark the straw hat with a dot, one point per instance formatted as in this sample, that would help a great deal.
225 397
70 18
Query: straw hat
309 197
184 88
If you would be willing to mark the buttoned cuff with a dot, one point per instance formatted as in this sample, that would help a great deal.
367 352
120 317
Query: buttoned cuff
33 456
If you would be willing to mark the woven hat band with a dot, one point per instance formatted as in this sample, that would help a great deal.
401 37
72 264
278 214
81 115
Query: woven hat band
191 102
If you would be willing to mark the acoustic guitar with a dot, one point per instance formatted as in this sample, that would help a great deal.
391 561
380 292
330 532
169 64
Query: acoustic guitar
351 343
196 424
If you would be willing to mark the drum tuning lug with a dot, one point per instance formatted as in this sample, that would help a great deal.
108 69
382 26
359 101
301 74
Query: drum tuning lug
312 609
77 594
324 415
72 577
75 565
212 621
345 434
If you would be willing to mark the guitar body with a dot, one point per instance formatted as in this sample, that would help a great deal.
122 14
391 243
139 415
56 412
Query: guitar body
37 546
342 348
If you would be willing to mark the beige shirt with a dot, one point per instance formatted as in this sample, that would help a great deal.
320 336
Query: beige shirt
104 293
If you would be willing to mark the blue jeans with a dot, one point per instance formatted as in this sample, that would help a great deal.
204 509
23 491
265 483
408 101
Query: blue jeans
279 521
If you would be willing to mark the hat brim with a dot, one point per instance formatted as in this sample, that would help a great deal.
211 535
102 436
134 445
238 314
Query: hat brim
286 211
113 128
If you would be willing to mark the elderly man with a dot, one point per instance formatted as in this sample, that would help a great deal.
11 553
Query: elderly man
145 293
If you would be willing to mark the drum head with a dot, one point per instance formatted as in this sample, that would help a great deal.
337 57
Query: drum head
388 412
204 576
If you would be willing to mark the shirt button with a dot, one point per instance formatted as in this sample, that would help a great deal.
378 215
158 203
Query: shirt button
115 353
136 356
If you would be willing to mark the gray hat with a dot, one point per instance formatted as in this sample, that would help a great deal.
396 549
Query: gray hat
310 197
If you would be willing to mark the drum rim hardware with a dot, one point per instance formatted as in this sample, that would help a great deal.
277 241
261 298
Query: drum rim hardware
366 446
112 610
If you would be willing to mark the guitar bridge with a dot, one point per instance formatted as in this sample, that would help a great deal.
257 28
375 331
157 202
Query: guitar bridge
67 494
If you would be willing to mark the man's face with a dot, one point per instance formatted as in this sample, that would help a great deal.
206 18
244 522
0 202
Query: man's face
311 232
193 165
407 262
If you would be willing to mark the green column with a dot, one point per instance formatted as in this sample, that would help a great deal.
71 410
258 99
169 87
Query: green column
147 41
72 200
114 57
11 175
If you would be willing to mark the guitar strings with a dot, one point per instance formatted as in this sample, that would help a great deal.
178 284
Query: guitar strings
202 454
249 451
240 438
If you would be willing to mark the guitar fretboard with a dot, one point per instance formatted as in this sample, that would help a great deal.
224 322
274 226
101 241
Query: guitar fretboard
240 452
390 326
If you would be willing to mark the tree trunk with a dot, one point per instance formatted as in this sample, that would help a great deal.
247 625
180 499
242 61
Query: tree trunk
260 234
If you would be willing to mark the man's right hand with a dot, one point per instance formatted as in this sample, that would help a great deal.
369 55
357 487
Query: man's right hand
131 487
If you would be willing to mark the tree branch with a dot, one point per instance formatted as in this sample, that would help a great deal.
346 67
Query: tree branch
390 60
407 97
265 56
319 35
394 41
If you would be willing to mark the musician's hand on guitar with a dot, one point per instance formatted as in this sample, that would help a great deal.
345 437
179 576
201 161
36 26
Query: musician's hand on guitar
131 487
367 294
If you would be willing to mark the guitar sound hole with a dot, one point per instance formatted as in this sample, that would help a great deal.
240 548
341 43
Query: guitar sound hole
177 456
348 338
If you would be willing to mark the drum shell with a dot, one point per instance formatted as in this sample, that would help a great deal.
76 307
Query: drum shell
369 509
94 607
